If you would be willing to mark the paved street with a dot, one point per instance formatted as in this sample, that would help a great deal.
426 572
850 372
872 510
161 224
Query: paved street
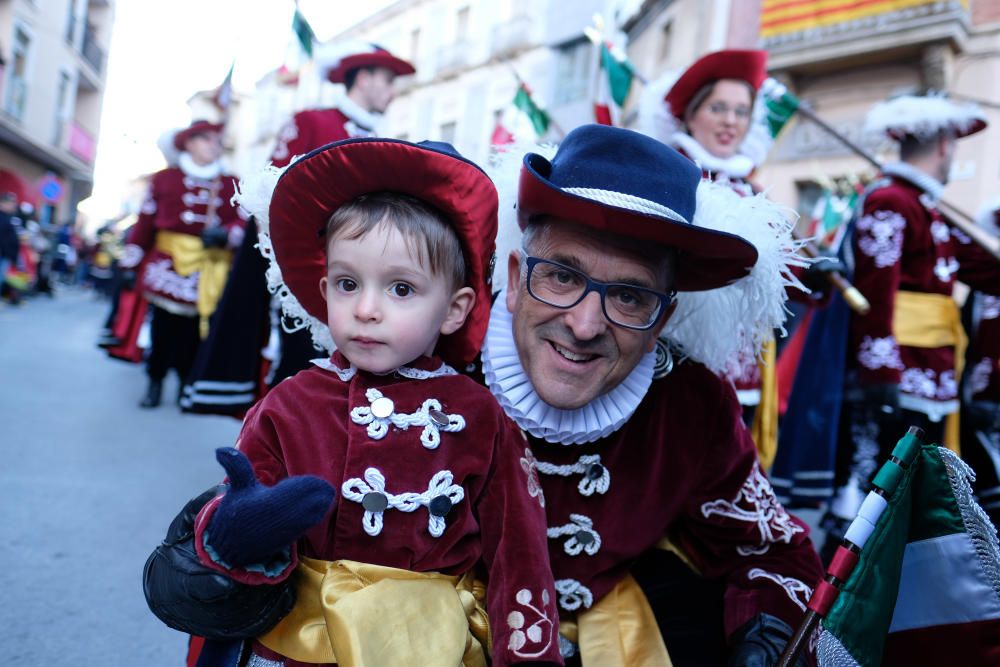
89 484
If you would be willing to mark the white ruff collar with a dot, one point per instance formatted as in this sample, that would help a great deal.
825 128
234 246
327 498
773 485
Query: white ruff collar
933 187
511 387
192 168
736 166
365 119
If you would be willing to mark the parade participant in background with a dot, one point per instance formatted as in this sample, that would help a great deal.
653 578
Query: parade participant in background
980 389
10 244
184 236
385 249
710 114
634 443
227 377
904 358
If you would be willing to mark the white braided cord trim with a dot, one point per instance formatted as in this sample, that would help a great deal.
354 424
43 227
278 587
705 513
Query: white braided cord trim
627 201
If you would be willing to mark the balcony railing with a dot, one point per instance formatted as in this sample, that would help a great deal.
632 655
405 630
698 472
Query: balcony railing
17 96
511 36
91 52
453 57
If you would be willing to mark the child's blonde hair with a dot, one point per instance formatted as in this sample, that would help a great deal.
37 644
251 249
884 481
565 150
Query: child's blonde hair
436 241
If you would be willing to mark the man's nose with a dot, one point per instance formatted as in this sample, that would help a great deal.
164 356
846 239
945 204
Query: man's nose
586 319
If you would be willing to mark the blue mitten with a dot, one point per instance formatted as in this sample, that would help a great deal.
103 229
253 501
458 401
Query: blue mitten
253 522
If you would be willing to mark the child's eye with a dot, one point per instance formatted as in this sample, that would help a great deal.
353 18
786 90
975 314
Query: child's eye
401 290
346 285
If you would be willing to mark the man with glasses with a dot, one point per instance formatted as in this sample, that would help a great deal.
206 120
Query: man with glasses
633 449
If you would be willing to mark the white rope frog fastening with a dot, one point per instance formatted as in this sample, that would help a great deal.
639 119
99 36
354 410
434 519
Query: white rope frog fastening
381 412
583 537
596 477
441 495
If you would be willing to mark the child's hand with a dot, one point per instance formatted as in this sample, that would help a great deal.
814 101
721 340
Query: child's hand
253 523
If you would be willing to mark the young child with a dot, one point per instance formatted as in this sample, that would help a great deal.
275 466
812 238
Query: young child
391 243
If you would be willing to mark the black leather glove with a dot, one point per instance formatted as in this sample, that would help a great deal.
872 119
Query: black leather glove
760 643
881 398
214 237
128 279
815 277
192 598
254 523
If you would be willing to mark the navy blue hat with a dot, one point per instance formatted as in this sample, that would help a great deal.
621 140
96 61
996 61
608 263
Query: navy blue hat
626 183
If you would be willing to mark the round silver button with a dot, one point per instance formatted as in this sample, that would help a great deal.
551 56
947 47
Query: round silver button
439 418
382 407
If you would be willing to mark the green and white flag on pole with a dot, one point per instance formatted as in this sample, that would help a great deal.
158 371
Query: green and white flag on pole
523 120
773 109
303 32
926 587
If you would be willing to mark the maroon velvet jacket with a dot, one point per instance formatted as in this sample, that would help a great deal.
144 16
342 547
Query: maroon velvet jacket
902 243
984 357
309 424
683 466
178 202
308 130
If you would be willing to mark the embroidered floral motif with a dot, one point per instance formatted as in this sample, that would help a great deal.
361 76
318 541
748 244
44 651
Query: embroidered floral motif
573 594
991 307
878 353
429 415
948 387
160 277
529 464
583 537
979 375
944 268
148 206
919 382
940 232
881 237
866 449
530 641
796 590
596 477
755 503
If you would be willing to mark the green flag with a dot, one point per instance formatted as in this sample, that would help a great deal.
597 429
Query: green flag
780 103
304 32
926 587
620 74
539 119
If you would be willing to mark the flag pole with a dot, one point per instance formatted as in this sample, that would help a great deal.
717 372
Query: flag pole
845 559
955 216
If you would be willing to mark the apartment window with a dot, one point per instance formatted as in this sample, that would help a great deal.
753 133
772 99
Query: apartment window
448 132
62 104
573 63
665 40
17 82
414 44
70 21
462 24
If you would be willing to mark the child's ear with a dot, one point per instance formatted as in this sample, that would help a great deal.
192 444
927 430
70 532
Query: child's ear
461 305
322 287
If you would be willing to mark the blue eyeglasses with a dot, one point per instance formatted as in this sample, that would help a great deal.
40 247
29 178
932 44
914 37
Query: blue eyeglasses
561 286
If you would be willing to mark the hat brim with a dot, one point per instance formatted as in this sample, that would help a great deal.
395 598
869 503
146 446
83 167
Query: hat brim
397 66
742 65
706 258
977 125
312 188
182 137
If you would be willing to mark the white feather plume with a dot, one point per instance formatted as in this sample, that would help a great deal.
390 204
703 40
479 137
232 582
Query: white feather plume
655 119
165 142
921 116
725 328
504 169
254 195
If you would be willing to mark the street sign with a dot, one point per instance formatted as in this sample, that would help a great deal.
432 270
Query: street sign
51 189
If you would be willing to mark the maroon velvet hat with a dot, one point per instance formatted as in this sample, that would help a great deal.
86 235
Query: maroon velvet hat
312 188
363 55
743 65
196 128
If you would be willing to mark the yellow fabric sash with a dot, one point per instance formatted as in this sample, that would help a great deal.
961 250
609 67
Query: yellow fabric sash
764 429
361 615
212 264
932 320
619 630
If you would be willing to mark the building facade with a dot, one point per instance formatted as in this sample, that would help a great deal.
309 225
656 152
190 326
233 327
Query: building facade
52 83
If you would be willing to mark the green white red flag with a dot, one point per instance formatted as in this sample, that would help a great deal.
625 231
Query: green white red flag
523 119
926 586
613 84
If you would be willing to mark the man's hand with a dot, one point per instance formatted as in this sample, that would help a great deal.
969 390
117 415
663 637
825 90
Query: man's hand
816 276
253 523
882 398
760 643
